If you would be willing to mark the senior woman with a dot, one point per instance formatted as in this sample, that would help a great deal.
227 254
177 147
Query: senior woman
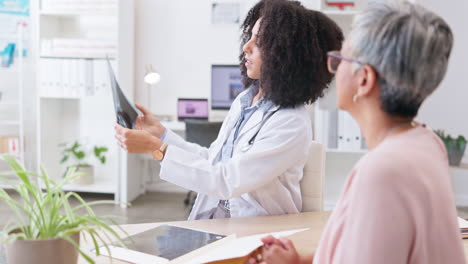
397 204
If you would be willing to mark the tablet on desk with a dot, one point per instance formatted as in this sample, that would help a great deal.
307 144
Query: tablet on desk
161 244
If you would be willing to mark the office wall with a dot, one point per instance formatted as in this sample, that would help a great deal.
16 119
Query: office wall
177 37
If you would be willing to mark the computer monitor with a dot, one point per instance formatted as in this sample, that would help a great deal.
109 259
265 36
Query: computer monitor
189 108
226 85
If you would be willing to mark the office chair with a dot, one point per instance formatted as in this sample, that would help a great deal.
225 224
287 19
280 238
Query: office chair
312 181
203 133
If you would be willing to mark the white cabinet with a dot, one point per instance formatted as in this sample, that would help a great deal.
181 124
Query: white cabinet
73 40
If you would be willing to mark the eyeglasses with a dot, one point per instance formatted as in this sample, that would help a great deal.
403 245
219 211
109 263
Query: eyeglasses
334 59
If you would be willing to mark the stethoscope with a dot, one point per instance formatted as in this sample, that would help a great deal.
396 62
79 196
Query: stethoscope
252 139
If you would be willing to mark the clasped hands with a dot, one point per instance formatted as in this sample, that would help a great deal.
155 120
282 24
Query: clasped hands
275 250
145 138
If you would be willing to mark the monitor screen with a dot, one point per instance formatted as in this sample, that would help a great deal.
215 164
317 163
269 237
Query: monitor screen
226 85
192 108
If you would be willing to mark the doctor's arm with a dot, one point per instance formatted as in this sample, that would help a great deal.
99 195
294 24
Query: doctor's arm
281 144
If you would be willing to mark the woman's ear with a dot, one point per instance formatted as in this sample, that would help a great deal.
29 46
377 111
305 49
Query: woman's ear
367 81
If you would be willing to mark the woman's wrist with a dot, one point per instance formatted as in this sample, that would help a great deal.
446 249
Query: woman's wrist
308 259
163 135
155 144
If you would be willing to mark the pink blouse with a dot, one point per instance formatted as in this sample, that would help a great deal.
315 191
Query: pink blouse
397 207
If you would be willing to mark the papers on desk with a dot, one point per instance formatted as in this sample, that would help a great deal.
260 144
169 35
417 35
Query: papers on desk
239 249
463 224
228 249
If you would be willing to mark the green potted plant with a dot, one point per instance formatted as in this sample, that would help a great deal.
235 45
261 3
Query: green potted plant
76 156
47 228
455 147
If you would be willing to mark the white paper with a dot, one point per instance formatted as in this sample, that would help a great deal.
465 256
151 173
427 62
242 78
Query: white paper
240 247
133 256
463 224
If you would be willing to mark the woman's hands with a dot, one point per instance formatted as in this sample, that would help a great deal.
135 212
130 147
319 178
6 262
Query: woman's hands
136 141
148 122
276 250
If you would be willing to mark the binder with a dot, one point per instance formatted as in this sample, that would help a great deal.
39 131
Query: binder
82 78
65 68
74 75
55 74
89 78
44 82
463 225
349 133
101 80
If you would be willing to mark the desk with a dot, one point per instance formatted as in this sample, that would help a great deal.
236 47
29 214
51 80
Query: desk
174 125
306 242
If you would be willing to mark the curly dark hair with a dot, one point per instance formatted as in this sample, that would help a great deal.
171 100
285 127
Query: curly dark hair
293 41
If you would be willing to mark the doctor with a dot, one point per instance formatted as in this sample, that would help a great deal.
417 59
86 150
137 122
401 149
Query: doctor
255 165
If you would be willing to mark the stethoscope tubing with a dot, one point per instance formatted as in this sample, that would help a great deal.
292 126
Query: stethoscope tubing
254 137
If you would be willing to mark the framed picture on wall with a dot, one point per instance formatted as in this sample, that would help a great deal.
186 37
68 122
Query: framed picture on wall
225 13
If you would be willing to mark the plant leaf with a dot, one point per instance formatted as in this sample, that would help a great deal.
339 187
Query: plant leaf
80 154
64 159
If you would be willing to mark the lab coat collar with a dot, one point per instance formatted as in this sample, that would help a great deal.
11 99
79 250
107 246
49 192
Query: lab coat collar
257 118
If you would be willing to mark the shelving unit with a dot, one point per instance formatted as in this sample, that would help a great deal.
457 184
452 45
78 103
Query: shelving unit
339 161
74 13
462 166
78 105
327 117
12 99
77 58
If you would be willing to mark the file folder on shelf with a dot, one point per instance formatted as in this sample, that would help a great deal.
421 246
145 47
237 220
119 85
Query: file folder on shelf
463 224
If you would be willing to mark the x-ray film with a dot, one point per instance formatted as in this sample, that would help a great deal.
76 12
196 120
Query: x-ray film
125 112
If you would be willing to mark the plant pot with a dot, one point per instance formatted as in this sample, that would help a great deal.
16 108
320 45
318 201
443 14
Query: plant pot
455 154
42 251
88 176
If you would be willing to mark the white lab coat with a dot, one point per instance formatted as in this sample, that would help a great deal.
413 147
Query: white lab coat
263 180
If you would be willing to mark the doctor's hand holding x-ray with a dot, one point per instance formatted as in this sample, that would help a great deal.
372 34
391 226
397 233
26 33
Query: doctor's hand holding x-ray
145 138
255 165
